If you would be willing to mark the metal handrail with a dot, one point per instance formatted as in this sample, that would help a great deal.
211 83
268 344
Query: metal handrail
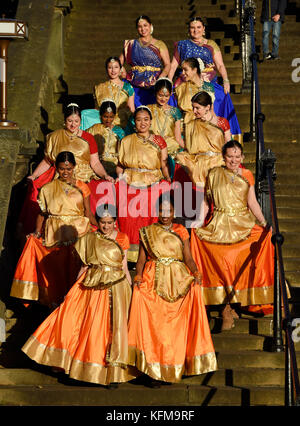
265 173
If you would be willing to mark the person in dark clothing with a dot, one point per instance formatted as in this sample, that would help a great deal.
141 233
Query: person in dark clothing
272 17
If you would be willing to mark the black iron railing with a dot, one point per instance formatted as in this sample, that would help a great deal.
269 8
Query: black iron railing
265 176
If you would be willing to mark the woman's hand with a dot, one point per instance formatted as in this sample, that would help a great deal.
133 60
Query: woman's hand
197 278
35 234
197 281
123 73
137 281
109 178
226 87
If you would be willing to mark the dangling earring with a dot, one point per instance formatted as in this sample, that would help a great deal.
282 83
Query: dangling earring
152 29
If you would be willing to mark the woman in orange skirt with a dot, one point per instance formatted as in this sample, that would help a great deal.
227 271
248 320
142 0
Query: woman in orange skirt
86 335
234 251
49 265
169 334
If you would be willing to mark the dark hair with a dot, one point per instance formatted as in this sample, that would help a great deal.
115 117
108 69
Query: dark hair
64 156
165 196
202 98
114 59
193 63
231 144
142 108
106 208
72 109
105 105
143 17
197 18
163 83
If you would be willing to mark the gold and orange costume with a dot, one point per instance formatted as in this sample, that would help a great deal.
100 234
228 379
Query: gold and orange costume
169 334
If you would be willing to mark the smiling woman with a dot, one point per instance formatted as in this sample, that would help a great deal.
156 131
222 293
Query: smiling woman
148 59
234 251
48 265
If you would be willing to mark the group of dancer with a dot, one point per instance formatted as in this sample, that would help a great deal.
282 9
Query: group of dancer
112 189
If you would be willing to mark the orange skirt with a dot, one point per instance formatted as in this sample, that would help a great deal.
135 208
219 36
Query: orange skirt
169 340
77 335
45 274
236 273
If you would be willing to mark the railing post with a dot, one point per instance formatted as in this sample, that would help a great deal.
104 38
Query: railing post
265 162
247 9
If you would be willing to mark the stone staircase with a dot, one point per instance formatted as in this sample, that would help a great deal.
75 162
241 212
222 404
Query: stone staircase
249 374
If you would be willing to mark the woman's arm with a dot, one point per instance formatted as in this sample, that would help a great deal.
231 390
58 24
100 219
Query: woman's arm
119 170
81 271
98 168
173 68
255 207
40 169
227 136
140 265
123 70
189 261
178 135
125 268
164 164
39 225
130 103
166 62
218 60
87 211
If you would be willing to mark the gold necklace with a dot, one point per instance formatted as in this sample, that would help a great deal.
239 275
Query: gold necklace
147 42
145 140
73 135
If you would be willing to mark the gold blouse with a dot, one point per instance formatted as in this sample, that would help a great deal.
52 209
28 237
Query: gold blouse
104 258
163 124
186 90
204 142
141 160
109 90
107 141
63 203
232 220
62 140
165 247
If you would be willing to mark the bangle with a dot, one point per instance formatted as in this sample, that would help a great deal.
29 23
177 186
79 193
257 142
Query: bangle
197 275
263 222
226 81
37 234
137 278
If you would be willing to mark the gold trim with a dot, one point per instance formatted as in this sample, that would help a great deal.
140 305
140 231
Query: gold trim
199 364
76 369
250 296
24 290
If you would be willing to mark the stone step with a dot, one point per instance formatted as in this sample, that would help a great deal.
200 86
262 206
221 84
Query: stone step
245 325
229 340
293 278
133 395
241 377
